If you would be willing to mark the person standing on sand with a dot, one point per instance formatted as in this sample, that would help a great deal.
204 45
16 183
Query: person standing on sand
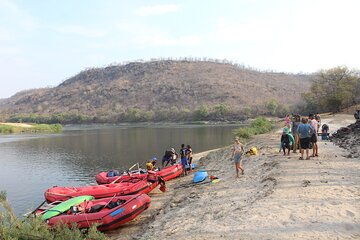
237 151
313 138
304 130
189 156
287 121
183 157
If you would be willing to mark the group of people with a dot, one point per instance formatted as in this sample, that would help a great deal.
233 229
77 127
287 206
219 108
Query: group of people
298 133
171 157
303 135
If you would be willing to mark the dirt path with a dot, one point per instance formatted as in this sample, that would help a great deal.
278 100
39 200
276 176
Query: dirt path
279 197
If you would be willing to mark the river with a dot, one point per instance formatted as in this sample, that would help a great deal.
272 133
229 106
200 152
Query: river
29 164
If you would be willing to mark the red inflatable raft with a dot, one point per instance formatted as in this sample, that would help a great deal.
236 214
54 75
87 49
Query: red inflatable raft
131 186
166 173
108 213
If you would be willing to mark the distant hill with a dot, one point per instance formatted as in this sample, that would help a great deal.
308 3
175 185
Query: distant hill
154 87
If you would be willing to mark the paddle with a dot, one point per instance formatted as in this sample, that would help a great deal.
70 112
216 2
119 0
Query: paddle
109 201
28 214
121 175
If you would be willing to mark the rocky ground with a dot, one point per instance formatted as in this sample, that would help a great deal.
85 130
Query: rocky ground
278 197
349 139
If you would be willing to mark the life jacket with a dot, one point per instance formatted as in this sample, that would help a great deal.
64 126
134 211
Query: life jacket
253 151
183 152
152 176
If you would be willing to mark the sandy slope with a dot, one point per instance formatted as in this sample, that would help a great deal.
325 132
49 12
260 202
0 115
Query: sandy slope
279 197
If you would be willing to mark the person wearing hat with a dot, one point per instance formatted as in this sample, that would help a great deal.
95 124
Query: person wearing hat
237 152
286 141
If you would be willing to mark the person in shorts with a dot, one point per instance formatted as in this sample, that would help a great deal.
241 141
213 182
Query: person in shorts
313 139
183 157
304 130
237 152
189 156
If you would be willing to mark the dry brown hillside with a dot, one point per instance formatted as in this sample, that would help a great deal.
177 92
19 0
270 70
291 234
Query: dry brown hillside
157 85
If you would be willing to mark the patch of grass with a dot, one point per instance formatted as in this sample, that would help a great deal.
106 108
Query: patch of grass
5 129
49 128
36 128
31 228
258 126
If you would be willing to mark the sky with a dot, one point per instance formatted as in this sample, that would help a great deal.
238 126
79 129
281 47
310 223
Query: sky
43 43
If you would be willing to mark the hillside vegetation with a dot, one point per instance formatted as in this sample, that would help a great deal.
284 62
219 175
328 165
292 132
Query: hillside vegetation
159 90
334 90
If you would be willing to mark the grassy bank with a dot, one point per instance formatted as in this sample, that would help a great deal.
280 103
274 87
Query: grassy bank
6 128
12 227
258 126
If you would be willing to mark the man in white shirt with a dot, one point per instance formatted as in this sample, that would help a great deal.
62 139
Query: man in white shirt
313 138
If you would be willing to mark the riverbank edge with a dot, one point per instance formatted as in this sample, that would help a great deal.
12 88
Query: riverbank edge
19 128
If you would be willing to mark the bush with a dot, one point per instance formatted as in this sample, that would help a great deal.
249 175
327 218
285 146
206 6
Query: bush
258 126
5 129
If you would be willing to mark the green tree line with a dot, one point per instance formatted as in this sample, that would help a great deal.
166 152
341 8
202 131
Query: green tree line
217 112
333 90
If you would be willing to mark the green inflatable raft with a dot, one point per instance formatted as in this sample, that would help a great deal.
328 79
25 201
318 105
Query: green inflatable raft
64 206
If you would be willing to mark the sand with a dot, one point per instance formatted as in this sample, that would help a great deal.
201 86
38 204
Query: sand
24 125
278 197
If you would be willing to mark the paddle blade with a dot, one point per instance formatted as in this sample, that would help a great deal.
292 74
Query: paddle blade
163 188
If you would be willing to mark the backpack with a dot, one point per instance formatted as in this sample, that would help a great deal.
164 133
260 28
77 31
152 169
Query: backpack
325 128
113 173
357 114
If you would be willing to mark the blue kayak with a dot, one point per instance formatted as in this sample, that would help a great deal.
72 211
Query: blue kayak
200 176
193 165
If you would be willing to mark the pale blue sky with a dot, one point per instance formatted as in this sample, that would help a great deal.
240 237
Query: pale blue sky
44 42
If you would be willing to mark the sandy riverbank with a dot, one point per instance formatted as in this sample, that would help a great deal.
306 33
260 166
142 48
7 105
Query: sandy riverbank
24 125
279 197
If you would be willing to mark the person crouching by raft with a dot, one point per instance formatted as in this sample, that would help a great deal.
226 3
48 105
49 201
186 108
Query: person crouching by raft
183 157
286 141
168 157
150 165
237 151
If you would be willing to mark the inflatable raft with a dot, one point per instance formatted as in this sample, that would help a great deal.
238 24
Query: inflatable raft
128 187
166 173
108 213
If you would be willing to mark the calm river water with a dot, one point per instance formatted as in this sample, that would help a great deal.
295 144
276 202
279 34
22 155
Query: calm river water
29 164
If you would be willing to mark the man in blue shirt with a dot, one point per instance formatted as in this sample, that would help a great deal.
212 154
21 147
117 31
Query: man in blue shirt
304 130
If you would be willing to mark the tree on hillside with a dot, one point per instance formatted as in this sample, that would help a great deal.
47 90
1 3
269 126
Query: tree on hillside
272 106
333 90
